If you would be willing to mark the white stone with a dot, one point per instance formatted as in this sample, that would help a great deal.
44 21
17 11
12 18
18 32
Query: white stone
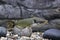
3 38
36 36
24 38
15 36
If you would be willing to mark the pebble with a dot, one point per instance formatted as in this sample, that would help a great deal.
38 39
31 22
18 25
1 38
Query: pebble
26 32
25 38
3 38
34 36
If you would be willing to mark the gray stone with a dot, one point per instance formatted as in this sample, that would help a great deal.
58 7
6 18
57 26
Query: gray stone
11 2
55 23
17 31
22 31
8 11
51 14
46 27
52 34
26 32
3 32
28 8
48 14
36 36
3 38
26 13
42 28
3 23
33 3
24 38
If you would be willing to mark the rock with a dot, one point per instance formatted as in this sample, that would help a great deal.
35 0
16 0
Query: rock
11 36
58 3
8 11
55 23
22 31
37 13
32 39
27 8
46 27
26 31
36 36
3 23
33 3
52 34
9 39
17 31
51 14
15 36
3 38
2 2
18 38
8 34
42 28
24 38
48 14
26 13
11 2
3 32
